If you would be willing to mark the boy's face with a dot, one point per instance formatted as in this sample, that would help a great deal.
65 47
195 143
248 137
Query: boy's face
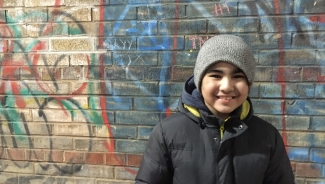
224 88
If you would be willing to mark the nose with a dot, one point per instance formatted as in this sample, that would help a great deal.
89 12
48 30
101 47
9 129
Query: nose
226 85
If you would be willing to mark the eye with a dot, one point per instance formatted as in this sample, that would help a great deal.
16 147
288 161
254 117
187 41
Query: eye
239 76
216 76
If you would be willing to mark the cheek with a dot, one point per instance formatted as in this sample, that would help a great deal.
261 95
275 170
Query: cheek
243 88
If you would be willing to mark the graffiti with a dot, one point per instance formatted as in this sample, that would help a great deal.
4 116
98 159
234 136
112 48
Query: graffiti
34 85
219 8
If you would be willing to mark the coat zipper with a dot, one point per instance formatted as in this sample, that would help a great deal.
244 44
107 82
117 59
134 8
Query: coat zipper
222 127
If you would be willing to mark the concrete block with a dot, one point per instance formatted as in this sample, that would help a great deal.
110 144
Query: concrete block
50 115
267 106
136 73
26 15
265 7
136 118
298 154
136 89
35 3
218 9
10 178
167 89
59 29
308 40
320 58
73 73
180 73
123 173
76 44
158 12
268 41
74 129
306 107
183 58
8 166
195 42
14 30
130 146
70 14
287 57
49 59
28 45
135 28
161 43
144 132
287 24
317 123
305 139
95 171
229 25
155 104
114 12
115 73
291 90
135 58
182 27
119 103
117 43
317 155
159 73
91 145
82 2
304 6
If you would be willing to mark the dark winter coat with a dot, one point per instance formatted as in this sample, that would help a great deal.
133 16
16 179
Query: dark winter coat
190 147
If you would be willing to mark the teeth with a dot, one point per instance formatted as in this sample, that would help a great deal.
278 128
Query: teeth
226 98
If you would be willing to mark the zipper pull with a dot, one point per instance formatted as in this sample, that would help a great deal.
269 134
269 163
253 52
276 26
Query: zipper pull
222 128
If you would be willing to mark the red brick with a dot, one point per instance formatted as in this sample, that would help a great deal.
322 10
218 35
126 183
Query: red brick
95 158
287 74
133 160
308 170
115 159
16 154
312 74
35 155
10 73
74 157
54 156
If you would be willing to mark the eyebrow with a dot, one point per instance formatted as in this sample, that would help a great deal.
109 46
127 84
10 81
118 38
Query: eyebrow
237 70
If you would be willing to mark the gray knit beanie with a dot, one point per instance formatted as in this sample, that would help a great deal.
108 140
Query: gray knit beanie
227 48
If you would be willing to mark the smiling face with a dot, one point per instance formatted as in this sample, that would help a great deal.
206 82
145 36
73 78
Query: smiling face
224 87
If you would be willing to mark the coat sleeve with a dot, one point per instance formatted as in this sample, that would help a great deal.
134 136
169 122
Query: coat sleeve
156 164
279 170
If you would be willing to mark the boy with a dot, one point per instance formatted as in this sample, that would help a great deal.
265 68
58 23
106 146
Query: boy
215 138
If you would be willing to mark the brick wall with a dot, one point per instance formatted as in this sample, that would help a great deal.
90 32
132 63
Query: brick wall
83 82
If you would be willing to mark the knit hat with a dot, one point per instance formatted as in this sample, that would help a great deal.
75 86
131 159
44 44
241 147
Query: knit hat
228 48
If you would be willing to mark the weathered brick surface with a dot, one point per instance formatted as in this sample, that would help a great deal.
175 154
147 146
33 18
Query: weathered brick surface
229 25
253 7
84 82
78 44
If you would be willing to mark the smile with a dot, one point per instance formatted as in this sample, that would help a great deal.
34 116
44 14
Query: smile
225 97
